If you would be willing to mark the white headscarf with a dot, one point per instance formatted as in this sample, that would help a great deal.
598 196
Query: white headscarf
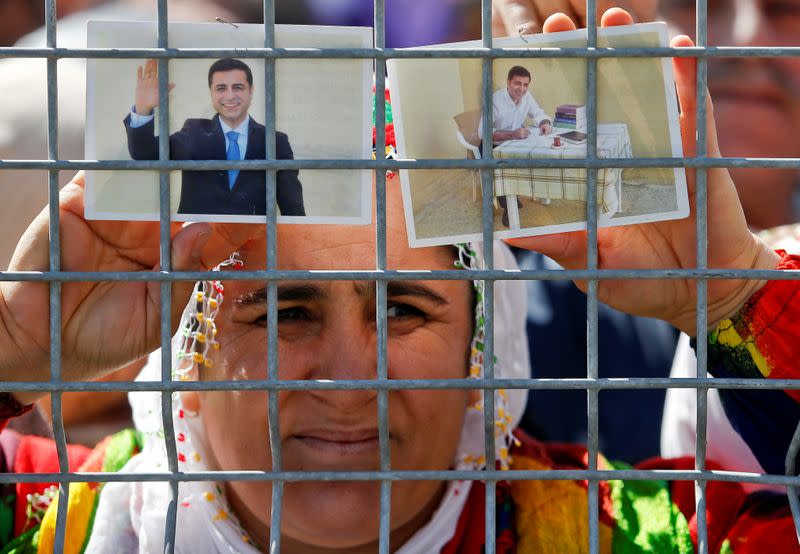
130 517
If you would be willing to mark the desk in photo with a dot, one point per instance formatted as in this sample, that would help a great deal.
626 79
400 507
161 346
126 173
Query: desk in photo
613 141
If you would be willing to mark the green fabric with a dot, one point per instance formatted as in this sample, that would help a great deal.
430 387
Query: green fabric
120 449
647 520
26 543
7 518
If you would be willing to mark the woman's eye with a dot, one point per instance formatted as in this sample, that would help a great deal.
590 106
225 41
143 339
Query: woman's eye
287 315
403 310
295 313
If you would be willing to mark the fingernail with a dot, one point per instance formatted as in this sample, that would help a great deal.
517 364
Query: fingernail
199 243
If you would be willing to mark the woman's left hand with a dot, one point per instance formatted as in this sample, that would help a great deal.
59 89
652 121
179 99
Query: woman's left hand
669 244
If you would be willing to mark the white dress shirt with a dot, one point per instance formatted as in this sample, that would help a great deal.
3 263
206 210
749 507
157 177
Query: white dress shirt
508 116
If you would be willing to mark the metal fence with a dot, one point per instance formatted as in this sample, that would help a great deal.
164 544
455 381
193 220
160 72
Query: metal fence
592 383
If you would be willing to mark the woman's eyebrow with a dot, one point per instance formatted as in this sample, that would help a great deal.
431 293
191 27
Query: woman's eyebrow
411 288
285 292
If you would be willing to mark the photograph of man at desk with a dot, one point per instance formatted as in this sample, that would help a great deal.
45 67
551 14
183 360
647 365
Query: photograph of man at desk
539 125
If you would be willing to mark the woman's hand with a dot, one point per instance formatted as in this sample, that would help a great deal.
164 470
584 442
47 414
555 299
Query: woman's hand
669 244
512 17
105 324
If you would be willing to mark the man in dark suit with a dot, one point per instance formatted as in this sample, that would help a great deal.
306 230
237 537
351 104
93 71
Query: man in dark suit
230 135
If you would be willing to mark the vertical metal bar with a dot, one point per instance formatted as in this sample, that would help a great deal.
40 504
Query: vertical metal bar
55 287
165 287
380 287
702 284
791 470
592 395
272 286
487 220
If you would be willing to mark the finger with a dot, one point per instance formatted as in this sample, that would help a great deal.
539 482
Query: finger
139 72
187 253
567 249
170 86
228 238
546 8
615 17
515 14
557 23
578 8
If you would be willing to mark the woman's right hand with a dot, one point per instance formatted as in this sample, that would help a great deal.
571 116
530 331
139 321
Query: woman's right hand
105 324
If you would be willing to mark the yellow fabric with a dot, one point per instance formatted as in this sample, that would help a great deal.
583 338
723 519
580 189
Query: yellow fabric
727 335
547 515
79 512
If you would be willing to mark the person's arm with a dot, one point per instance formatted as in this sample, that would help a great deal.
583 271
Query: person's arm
517 134
758 342
538 116
140 122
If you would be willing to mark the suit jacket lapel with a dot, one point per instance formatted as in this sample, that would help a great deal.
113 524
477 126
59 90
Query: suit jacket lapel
255 141
218 142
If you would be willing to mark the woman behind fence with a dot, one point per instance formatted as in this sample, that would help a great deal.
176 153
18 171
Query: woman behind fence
326 330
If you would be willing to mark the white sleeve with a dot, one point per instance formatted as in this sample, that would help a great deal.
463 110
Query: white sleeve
137 120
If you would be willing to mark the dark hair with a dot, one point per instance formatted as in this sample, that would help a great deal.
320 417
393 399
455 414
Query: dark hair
518 70
230 64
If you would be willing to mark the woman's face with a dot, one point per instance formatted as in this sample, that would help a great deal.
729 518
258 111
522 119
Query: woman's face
327 331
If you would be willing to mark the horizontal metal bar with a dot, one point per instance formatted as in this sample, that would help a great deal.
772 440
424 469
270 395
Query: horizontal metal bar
403 275
396 475
485 163
632 383
410 53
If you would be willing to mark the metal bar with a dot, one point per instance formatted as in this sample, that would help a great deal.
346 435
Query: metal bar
592 397
487 226
393 53
702 286
791 471
379 106
647 383
55 287
485 163
438 475
276 502
404 275
165 290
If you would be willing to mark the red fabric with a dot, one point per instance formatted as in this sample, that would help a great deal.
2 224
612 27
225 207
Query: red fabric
762 528
471 528
390 140
724 499
772 314
38 455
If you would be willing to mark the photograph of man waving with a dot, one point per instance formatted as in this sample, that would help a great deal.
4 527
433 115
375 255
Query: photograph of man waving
231 134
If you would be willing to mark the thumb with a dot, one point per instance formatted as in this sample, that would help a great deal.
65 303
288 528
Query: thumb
187 250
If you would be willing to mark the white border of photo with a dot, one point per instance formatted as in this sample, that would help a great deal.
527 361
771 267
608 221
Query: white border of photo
323 105
401 86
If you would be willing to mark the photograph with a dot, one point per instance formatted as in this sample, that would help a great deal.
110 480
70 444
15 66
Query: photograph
323 110
539 112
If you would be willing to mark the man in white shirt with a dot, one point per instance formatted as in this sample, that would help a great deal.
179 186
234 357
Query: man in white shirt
512 106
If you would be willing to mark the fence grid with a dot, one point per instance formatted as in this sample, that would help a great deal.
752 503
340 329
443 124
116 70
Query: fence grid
592 384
